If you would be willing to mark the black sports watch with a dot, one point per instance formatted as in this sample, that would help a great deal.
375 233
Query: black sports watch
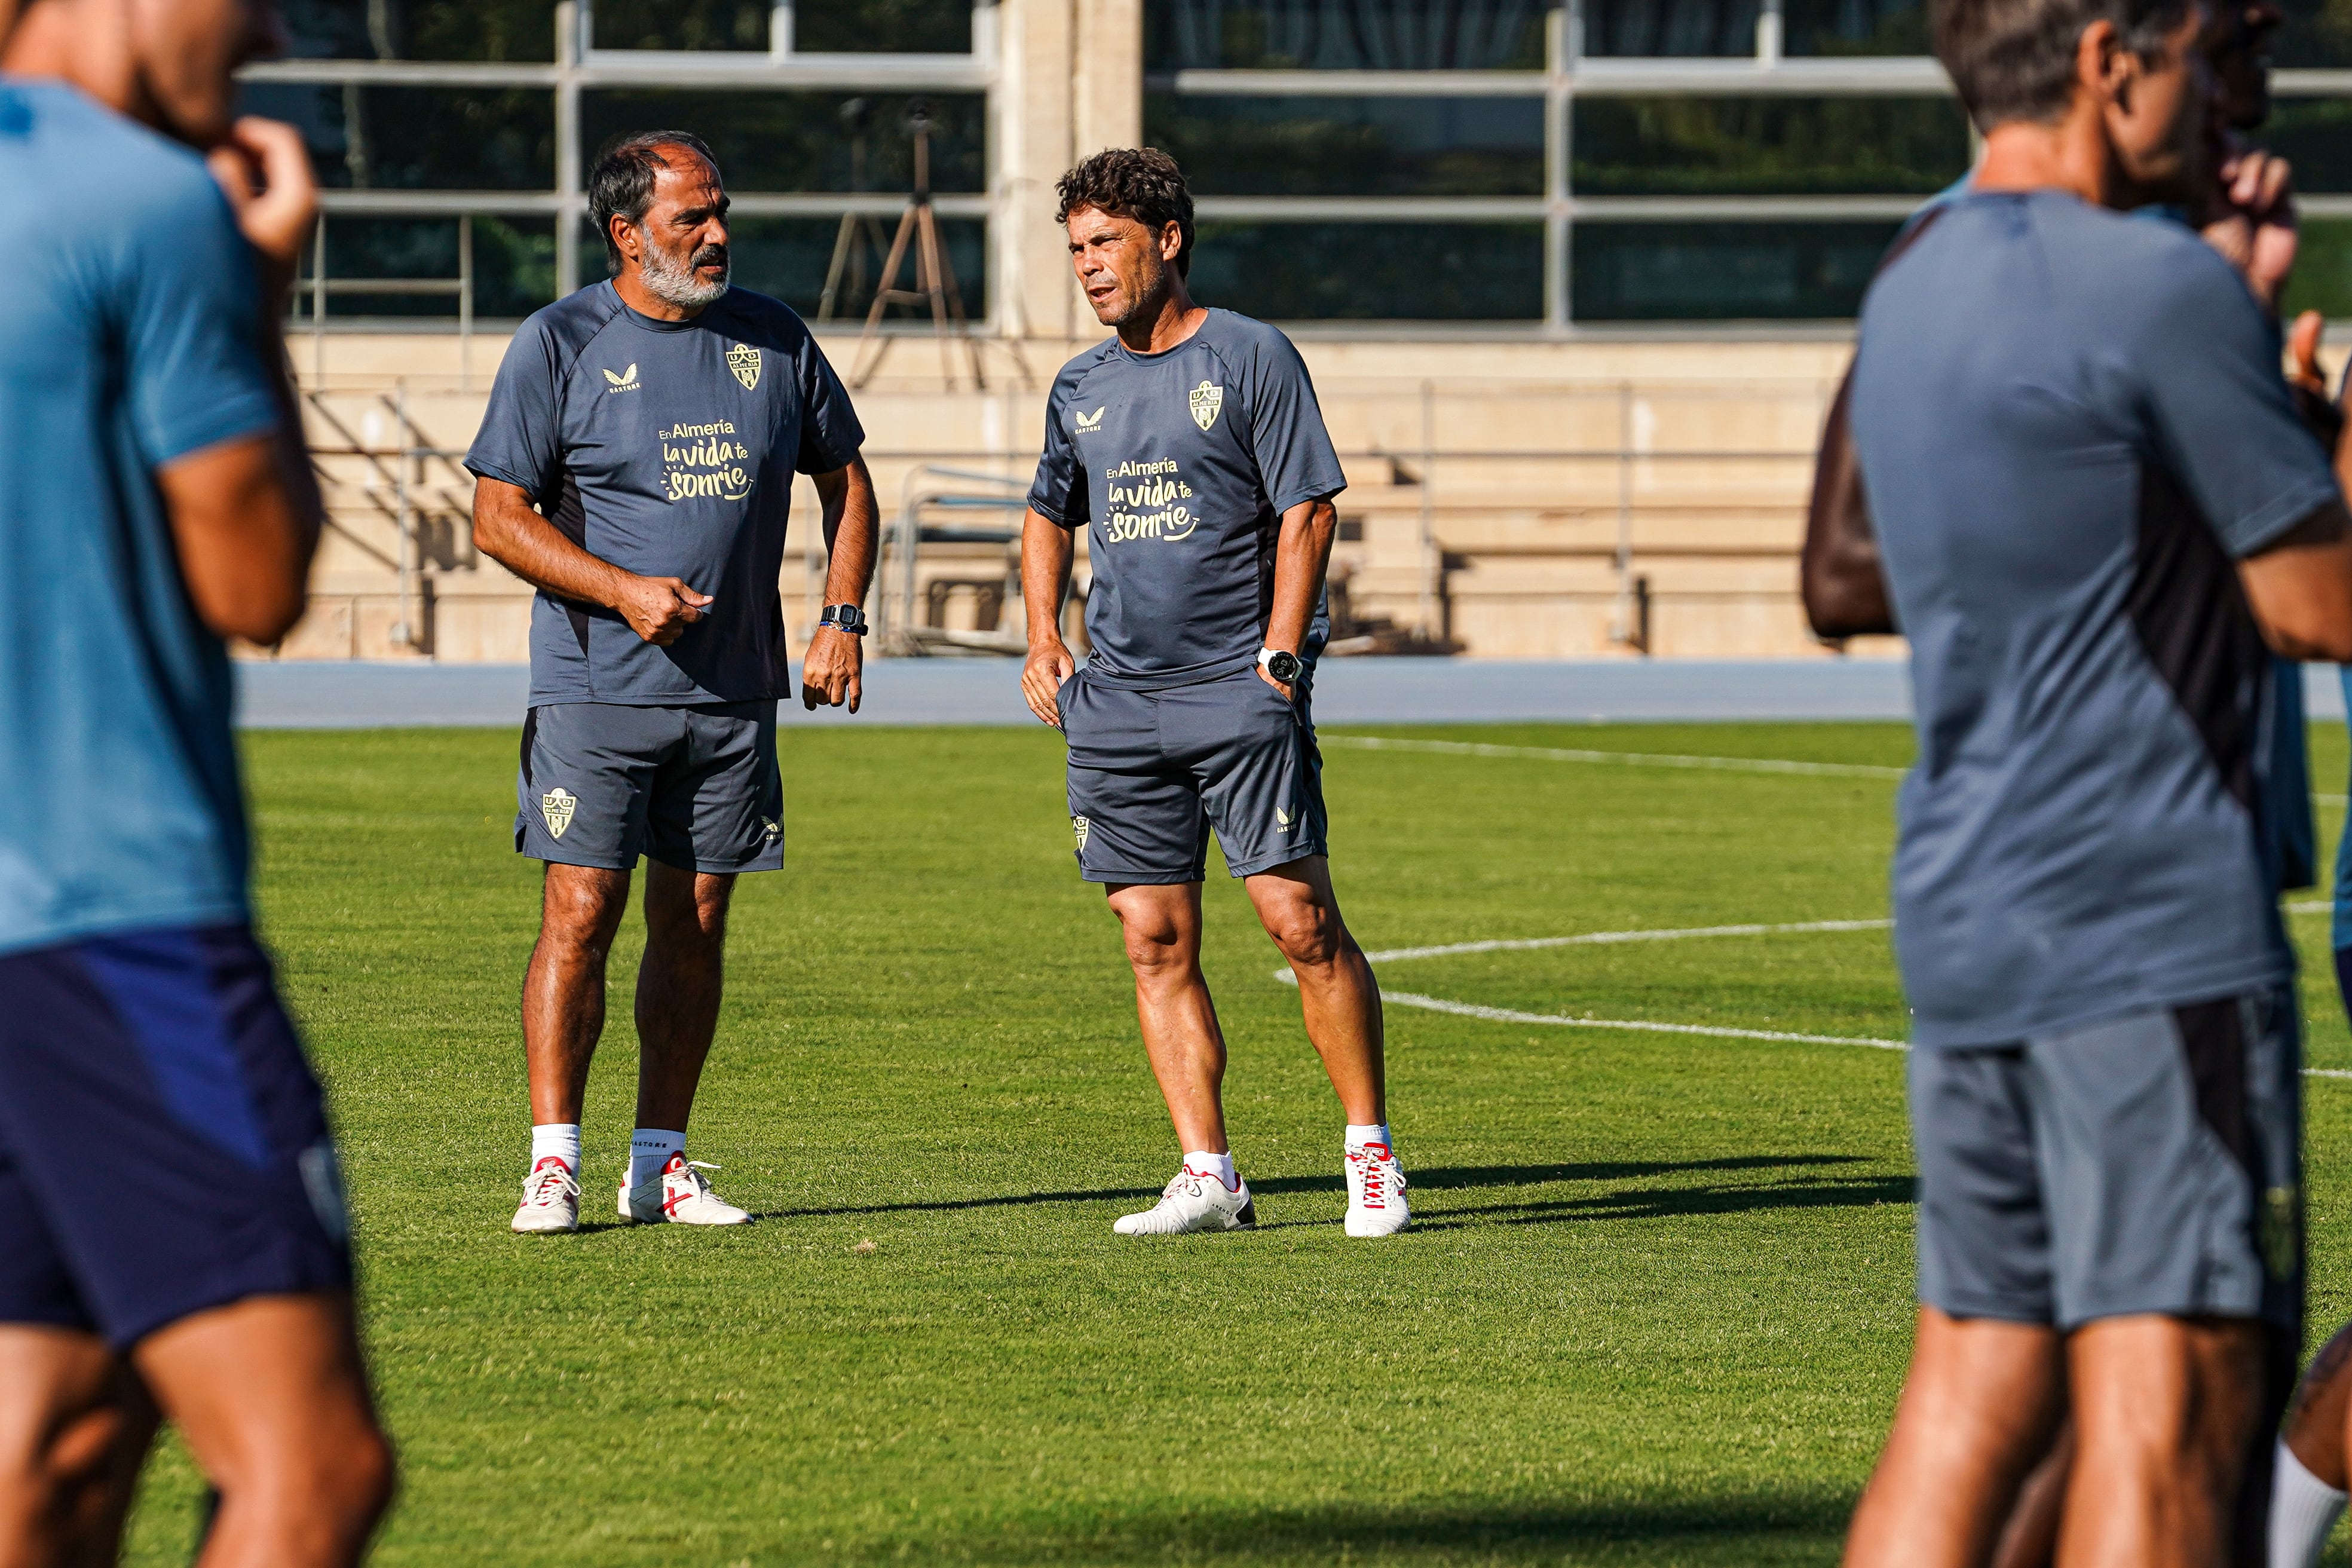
846 618
1279 663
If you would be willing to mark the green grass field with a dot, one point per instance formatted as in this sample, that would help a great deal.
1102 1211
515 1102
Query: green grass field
1655 1307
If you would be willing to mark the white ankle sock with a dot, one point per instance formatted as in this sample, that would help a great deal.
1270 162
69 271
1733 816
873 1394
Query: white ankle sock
649 1150
560 1138
1377 1132
1218 1166
2304 1508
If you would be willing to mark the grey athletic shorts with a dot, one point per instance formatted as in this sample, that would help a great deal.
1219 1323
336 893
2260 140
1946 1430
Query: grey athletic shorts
2150 1163
1152 771
697 787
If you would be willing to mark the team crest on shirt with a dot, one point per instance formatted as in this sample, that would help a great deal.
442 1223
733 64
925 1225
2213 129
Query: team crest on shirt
557 806
744 361
1207 402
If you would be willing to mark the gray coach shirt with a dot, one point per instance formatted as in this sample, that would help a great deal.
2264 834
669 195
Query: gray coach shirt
2072 426
1181 464
666 448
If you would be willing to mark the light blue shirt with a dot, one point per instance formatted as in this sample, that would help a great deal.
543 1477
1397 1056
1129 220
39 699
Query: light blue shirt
129 337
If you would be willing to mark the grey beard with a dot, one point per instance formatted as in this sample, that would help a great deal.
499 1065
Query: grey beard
670 277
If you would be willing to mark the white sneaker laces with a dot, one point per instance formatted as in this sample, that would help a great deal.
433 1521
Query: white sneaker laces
549 1186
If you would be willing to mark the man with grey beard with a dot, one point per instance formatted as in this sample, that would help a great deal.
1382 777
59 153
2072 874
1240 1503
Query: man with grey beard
636 465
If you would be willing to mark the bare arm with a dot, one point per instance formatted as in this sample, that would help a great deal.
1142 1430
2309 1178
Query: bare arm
832 671
1046 550
246 514
2300 587
245 530
508 532
1302 554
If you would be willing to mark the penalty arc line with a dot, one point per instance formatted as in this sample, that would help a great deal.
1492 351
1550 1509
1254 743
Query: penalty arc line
1635 1026
1648 758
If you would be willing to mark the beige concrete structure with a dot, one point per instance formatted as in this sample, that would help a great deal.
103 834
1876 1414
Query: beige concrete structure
1552 495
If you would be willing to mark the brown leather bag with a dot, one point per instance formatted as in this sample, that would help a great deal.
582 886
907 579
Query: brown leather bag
1838 575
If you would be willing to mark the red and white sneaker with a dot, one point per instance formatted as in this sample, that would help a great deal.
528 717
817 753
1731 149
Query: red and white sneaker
551 1198
678 1195
1376 1204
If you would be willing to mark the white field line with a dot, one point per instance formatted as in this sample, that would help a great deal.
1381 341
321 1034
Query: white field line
1649 759
1639 1025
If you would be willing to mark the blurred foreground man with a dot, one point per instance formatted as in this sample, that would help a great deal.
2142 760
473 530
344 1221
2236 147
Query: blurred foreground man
171 1227
1191 447
2096 503
636 465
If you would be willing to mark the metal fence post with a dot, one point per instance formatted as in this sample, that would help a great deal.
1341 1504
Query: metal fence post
1427 609
1621 630
465 301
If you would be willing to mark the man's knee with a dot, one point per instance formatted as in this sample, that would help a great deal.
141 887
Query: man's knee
1160 941
583 907
1308 930
686 908
315 1499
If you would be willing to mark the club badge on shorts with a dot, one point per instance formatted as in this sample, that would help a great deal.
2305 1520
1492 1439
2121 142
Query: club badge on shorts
1078 825
1206 401
557 806
744 361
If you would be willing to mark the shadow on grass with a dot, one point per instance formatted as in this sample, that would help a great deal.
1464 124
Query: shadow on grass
1443 1178
1729 1530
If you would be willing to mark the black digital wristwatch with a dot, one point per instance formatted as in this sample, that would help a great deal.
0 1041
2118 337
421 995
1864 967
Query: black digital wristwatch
846 618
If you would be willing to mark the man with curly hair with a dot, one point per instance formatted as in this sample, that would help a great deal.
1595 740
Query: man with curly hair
1190 445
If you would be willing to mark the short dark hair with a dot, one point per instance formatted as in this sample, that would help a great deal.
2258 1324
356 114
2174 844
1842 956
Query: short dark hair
2014 59
622 179
1140 183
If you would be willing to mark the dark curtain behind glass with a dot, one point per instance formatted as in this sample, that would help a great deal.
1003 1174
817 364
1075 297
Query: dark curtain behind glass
420 29
1658 27
1343 34
1234 146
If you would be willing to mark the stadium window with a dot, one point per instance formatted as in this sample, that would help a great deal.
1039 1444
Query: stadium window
417 138
520 31
1352 146
1767 146
1395 271
788 257
1655 27
514 264
803 140
731 24
1853 28
2318 33
883 27
2315 136
2323 271
1724 271
1343 34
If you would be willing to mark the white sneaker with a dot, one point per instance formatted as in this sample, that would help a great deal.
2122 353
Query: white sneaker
1195 1200
678 1195
1376 1204
551 1198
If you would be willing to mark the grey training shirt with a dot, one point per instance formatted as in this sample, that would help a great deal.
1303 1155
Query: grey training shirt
1180 464
666 448
2072 426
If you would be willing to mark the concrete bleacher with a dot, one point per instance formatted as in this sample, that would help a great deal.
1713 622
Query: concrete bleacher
1509 499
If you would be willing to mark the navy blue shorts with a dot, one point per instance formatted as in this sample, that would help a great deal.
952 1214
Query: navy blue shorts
1152 771
163 1148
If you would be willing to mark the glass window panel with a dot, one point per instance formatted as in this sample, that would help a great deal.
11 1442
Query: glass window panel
419 138
1352 146
883 27
1722 271
420 29
2323 271
1343 34
803 140
1371 272
2315 134
514 264
789 257
1853 28
1670 26
2317 32
1790 146
682 24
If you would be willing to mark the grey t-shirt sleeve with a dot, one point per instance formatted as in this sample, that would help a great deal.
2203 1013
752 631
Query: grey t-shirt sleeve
519 442
1059 492
2209 363
830 433
1295 458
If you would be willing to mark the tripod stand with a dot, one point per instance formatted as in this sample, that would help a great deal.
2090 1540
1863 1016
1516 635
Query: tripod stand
857 229
934 282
